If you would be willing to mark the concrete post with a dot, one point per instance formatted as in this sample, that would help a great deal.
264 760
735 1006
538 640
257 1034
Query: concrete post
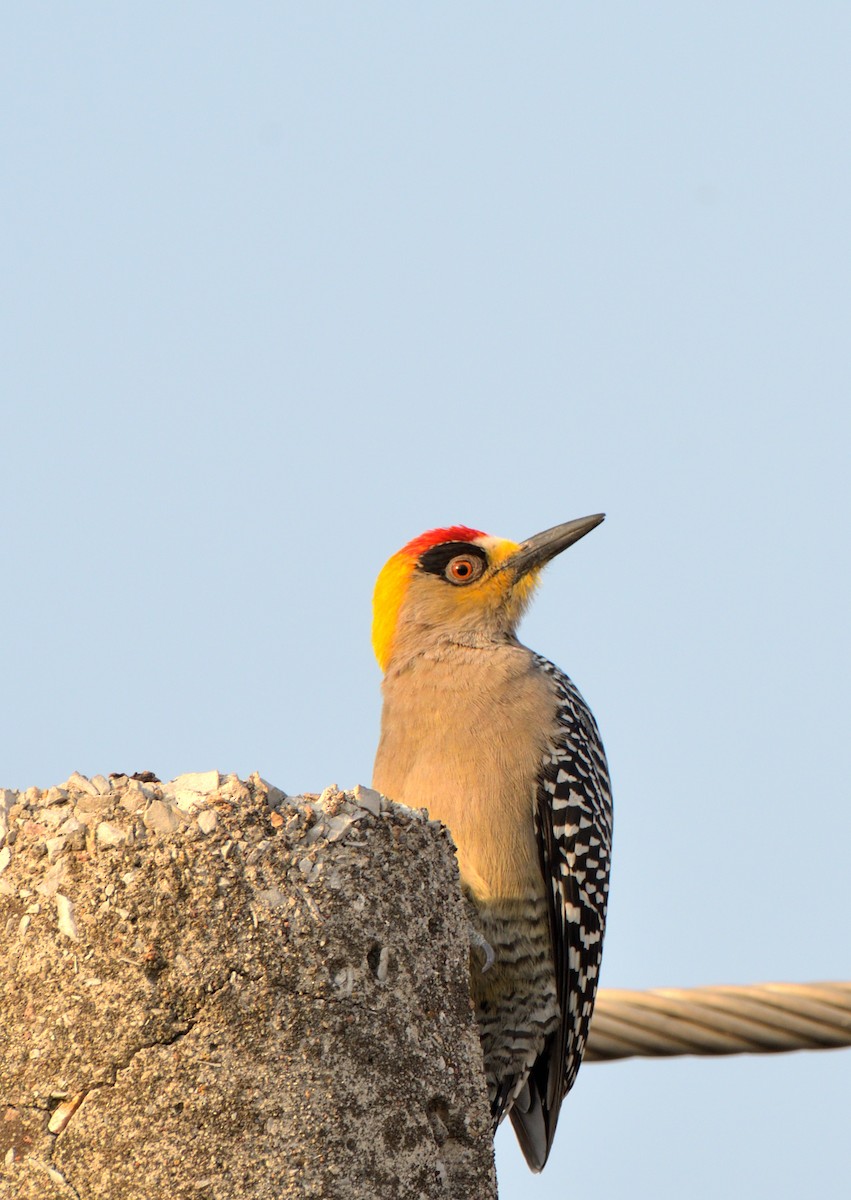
209 991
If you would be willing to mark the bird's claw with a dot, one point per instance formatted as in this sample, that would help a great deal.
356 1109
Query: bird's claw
483 945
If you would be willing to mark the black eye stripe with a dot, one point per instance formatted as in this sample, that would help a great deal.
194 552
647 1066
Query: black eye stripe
436 560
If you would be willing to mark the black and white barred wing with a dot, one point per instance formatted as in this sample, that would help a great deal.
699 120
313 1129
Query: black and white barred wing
573 823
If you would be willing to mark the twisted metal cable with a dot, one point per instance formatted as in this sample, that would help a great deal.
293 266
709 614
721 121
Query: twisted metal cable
765 1018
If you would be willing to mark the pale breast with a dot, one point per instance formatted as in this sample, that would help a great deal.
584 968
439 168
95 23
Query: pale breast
463 736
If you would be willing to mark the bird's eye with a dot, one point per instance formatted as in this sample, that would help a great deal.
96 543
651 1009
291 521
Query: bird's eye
463 569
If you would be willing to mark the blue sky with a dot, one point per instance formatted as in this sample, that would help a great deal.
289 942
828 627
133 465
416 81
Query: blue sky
285 285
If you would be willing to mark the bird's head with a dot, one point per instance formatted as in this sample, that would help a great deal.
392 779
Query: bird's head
460 584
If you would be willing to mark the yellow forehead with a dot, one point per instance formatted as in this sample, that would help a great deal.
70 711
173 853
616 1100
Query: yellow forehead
497 549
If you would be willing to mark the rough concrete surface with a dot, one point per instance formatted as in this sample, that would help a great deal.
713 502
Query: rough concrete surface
210 990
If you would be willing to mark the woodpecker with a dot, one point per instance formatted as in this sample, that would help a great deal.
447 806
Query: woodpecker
497 743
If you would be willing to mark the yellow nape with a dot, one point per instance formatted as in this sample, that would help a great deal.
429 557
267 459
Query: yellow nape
390 588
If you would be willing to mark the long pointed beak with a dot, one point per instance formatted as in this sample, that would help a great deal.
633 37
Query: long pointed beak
538 550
